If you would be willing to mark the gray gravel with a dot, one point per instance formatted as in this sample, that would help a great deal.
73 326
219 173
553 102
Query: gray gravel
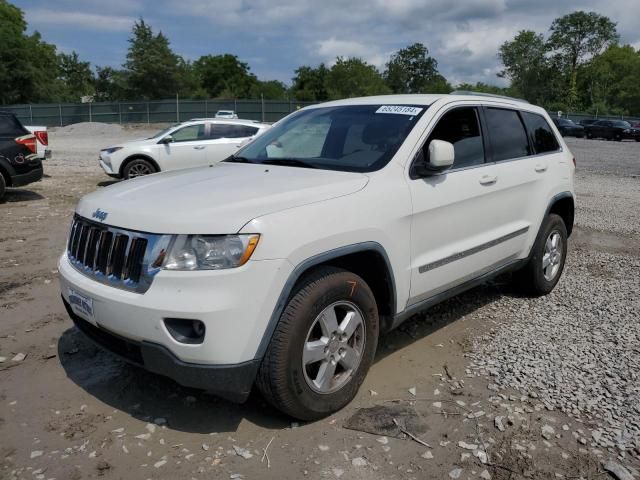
578 349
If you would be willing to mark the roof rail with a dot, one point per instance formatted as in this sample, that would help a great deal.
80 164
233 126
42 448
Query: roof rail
493 95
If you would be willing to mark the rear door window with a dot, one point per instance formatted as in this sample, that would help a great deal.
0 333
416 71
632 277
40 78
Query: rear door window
508 136
10 127
461 128
540 132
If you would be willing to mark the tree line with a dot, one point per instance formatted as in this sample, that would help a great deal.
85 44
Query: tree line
579 65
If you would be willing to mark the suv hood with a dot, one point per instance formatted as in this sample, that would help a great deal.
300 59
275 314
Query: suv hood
213 200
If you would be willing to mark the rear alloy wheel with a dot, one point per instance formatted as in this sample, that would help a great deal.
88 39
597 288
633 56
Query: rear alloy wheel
138 168
322 347
617 137
546 263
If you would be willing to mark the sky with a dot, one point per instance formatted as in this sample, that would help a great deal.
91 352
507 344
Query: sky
275 37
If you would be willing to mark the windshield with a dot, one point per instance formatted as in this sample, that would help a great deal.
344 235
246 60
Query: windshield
621 123
354 138
162 133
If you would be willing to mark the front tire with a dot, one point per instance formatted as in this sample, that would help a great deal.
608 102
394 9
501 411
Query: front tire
544 268
323 345
137 168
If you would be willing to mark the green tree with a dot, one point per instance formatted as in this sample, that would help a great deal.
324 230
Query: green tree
412 70
153 70
310 84
224 76
75 77
110 84
269 90
353 77
577 37
609 82
27 64
528 66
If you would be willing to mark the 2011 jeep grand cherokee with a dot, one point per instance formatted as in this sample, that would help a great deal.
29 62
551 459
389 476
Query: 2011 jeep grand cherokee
281 266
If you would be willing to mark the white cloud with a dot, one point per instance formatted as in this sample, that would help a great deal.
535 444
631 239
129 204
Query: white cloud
79 20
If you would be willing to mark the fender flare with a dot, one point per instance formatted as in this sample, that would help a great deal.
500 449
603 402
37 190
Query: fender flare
135 156
309 263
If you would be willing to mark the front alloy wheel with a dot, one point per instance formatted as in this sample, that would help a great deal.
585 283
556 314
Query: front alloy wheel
334 346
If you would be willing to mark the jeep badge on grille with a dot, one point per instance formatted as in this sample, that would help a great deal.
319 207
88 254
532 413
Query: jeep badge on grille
100 215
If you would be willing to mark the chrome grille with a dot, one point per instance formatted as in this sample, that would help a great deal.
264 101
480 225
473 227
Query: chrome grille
121 258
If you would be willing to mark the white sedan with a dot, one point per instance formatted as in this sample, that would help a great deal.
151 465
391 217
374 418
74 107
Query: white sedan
189 144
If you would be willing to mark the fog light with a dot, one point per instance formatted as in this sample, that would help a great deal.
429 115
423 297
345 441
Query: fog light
186 330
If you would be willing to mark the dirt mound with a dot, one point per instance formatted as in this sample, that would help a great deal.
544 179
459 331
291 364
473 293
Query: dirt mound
90 129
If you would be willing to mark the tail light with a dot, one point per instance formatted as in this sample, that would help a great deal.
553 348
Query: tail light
28 141
42 136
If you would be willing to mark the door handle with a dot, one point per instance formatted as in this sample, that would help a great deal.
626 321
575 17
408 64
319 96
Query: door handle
199 147
541 168
488 179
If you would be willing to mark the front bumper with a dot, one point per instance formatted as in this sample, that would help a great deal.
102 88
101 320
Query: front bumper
235 306
34 175
231 382
105 163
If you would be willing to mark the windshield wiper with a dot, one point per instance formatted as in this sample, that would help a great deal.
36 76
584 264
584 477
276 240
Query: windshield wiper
235 159
288 162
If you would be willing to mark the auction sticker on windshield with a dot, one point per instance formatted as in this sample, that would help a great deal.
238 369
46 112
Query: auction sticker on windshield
399 110
81 304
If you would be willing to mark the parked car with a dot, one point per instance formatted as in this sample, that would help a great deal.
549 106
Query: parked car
226 114
19 161
42 137
282 265
635 124
568 128
612 130
587 121
190 144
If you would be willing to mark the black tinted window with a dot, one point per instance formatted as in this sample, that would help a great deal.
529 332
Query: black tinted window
508 137
220 130
10 127
540 132
461 128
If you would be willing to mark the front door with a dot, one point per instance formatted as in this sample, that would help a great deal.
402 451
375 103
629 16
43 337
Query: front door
188 148
454 219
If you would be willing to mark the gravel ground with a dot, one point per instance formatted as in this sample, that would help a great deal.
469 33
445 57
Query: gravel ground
578 349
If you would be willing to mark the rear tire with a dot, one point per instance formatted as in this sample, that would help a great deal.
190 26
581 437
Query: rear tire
589 135
330 325
3 187
546 263
137 168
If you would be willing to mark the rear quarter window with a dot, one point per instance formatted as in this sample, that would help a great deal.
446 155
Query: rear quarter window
541 134
10 127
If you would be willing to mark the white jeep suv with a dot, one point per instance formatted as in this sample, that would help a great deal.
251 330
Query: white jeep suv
198 142
281 266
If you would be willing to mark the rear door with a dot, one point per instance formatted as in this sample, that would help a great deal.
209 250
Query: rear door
224 139
187 150
524 150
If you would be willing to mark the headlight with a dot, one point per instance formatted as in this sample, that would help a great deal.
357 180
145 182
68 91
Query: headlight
210 252
111 150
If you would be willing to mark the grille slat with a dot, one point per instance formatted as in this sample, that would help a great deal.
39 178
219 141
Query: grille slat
114 255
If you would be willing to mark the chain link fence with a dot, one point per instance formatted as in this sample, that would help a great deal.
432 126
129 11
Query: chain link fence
177 110
158 111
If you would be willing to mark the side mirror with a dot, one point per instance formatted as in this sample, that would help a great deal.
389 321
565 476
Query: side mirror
166 140
441 157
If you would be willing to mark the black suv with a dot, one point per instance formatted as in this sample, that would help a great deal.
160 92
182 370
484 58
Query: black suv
19 164
568 128
612 130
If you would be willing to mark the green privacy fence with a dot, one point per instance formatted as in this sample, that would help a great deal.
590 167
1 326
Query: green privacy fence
158 111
